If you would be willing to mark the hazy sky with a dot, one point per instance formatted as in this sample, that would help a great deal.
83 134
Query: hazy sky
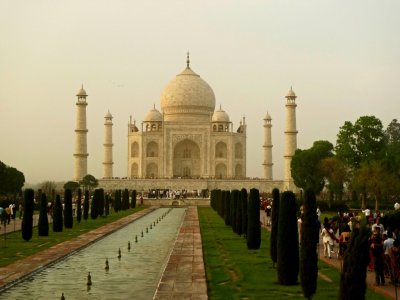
341 57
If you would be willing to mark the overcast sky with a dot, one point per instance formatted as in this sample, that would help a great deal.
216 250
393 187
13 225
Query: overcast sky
341 57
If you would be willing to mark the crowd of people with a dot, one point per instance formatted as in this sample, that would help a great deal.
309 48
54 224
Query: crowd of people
384 242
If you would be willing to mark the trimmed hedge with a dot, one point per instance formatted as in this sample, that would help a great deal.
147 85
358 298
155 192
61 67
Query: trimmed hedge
58 215
27 221
68 219
287 241
274 225
253 220
43 225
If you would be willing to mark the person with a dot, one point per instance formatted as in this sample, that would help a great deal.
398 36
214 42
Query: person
376 225
1 215
377 253
367 213
387 244
327 239
8 215
319 214
396 206
268 213
344 239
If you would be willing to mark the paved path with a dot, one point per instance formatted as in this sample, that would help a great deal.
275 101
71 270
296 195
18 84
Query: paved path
23 268
184 276
15 224
387 290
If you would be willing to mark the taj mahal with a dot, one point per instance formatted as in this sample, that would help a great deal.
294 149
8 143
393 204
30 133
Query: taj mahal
189 144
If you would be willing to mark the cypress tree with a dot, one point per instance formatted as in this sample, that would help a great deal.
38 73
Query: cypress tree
232 211
100 203
212 199
94 206
133 200
239 213
274 226
309 241
220 203
356 258
27 221
79 207
57 215
226 195
117 204
68 219
43 225
125 199
86 206
287 241
243 201
253 220
107 205
235 197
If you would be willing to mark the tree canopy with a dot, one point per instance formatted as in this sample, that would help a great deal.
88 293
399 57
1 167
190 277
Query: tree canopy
89 182
359 142
71 185
11 179
305 165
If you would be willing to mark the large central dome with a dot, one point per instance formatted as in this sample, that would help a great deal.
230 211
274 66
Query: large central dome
187 98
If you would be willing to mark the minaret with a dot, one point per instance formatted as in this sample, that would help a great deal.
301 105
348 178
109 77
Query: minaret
290 135
80 168
267 147
108 144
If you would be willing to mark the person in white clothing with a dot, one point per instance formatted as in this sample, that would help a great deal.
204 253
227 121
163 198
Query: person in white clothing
327 239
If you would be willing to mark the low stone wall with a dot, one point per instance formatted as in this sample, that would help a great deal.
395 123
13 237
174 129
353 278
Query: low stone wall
139 185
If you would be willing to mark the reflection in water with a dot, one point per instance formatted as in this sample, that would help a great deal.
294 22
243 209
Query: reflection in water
134 276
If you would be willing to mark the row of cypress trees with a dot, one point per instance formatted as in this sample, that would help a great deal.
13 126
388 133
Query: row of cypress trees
64 217
240 212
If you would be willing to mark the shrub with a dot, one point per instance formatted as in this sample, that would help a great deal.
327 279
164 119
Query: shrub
287 241
27 221
107 205
274 225
125 200
309 242
68 219
243 201
57 215
356 258
133 200
117 201
86 206
79 207
94 206
232 208
235 197
43 225
253 220
226 195
239 213
100 203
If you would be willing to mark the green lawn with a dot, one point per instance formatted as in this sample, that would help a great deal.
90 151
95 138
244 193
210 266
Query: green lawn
233 272
15 248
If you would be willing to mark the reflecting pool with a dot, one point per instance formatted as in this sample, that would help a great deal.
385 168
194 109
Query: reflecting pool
134 276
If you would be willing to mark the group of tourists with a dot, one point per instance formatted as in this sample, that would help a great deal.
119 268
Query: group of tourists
9 213
384 242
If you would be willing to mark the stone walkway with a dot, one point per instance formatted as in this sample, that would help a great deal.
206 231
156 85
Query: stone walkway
184 275
23 268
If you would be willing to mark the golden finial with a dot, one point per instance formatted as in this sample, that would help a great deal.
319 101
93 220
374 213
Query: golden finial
187 60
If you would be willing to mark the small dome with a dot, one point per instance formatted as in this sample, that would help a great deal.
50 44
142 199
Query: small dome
267 117
220 116
108 115
291 94
81 92
153 116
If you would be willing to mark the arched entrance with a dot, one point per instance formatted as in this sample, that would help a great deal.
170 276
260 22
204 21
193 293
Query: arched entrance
186 159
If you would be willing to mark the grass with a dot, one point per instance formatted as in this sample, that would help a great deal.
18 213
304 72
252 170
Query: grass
15 248
233 272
